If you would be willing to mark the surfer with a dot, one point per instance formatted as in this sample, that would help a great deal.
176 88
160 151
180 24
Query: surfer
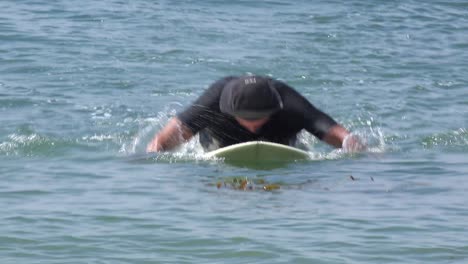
247 108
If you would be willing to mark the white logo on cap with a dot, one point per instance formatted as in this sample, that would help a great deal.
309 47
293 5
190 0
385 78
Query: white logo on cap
250 81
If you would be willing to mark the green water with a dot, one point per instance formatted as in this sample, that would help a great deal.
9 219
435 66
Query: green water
85 85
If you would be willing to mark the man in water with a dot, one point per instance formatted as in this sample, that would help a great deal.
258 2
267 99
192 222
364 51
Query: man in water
247 108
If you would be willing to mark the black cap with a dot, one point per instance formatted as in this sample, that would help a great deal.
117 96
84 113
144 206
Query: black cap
250 97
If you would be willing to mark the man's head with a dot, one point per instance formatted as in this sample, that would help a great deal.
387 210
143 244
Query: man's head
250 98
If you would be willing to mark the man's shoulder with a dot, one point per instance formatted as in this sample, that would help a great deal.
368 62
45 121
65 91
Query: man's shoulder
286 91
281 85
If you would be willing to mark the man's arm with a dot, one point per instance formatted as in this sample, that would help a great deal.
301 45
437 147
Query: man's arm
340 137
171 136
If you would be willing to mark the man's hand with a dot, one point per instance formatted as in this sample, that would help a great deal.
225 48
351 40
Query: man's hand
172 135
339 137
353 143
153 146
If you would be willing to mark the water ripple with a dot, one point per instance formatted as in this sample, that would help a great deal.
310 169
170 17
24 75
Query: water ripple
85 86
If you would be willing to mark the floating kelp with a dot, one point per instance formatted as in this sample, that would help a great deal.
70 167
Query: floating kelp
246 184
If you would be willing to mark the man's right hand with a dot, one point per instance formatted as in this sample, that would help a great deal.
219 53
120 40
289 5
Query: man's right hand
171 136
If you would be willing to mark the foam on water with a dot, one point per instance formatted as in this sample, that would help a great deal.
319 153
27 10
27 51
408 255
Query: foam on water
457 139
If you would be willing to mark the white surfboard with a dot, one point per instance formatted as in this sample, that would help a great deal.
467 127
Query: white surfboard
258 152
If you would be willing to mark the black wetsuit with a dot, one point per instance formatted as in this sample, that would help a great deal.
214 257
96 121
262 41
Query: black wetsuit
218 129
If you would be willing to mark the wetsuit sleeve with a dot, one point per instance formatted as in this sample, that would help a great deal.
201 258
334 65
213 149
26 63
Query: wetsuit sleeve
311 118
317 122
199 115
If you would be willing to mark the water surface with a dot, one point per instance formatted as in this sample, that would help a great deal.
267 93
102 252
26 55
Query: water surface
84 86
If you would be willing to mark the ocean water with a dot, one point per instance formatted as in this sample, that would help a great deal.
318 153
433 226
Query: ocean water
84 85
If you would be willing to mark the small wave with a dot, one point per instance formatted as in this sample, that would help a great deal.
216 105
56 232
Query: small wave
98 138
456 138
28 145
16 102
